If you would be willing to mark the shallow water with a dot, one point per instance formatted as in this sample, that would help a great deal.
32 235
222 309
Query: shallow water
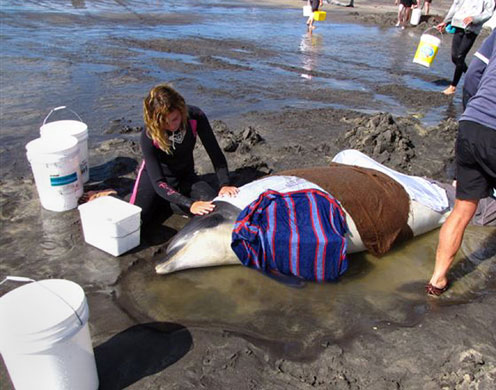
100 57
375 292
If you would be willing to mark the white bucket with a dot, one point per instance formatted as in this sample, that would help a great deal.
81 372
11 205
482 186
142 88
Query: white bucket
427 49
415 18
44 337
307 10
55 165
111 224
78 129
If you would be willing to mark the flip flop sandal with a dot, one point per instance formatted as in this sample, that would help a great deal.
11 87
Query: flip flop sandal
434 291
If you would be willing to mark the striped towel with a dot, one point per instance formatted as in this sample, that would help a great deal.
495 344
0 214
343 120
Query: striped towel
299 233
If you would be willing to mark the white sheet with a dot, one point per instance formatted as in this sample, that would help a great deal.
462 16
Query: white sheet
251 191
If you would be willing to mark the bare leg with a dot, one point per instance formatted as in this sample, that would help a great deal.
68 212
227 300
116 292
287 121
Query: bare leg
427 7
450 239
401 8
406 17
310 23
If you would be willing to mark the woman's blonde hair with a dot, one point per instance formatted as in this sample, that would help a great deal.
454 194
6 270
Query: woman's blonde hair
160 102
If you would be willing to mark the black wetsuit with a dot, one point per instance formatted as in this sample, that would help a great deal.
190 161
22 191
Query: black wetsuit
170 178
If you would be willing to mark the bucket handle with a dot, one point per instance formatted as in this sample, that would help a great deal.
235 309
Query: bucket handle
434 28
61 108
22 279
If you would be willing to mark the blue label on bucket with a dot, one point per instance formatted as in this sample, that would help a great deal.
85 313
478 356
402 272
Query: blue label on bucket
63 180
427 51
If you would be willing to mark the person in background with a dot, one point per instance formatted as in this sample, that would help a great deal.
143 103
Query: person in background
167 174
404 11
315 4
475 169
427 6
467 17
351 4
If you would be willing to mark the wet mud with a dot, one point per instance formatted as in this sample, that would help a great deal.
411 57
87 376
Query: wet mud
277 99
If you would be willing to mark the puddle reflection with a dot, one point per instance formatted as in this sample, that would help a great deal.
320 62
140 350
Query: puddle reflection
375 290
310 47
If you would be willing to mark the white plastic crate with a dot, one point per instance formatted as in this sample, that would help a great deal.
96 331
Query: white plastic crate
111 224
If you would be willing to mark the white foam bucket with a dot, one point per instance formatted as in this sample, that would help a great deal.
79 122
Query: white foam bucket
415 18
77 129
44 337
307 10
55 165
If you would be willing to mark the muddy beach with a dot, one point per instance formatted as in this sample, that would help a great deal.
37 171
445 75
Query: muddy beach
277 99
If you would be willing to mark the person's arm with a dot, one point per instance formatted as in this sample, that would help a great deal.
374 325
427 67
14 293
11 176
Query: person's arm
478 66
486 14
158 174
213 149
485 51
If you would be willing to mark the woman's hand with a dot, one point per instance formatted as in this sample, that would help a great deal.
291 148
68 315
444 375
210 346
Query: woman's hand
440 27
201 208
228 191
468 20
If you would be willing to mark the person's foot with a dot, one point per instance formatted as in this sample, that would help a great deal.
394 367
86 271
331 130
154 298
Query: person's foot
450 90
437 285
434 291
397 24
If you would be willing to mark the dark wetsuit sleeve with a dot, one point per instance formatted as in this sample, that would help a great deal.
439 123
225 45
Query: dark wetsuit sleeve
158 172
213 149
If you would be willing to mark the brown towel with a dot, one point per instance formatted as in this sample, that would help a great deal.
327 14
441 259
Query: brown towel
378 205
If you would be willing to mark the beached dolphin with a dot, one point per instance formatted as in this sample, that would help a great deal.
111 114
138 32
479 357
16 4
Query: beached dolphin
205 241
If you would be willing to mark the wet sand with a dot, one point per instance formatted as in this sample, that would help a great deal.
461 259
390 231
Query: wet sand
231 327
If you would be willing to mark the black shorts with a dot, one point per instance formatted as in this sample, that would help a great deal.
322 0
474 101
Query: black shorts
407 3
428 1
475 161
315 5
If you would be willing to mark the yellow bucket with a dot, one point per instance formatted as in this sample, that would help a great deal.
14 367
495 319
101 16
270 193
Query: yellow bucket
319 16
427 49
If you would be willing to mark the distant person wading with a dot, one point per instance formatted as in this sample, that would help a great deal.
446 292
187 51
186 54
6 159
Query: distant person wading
315 4
467 17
